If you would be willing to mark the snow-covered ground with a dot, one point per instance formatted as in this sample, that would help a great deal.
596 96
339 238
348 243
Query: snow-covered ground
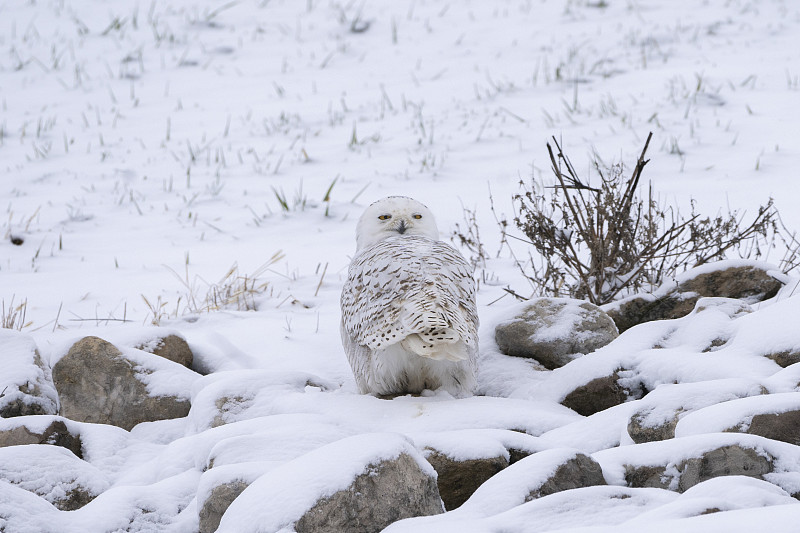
146 150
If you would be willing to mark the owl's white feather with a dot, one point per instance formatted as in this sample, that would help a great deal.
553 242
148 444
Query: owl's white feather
409 318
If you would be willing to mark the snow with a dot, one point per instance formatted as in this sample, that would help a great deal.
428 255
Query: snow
467 444
145 151
609 506
724 493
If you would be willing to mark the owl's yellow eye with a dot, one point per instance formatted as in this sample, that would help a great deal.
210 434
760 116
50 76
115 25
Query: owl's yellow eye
417 216
384 217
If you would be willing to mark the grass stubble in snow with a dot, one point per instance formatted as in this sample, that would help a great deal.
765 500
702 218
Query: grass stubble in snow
145 148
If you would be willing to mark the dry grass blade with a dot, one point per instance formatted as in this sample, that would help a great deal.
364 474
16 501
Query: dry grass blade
14 317
234 290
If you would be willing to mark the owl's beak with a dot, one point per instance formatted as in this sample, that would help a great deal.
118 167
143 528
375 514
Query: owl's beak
402 227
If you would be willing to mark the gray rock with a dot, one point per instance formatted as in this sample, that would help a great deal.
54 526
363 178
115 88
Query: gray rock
53 473
217 503
226 409
55 434
387 492
751 283
458 480
777 426
554 331
580 471
171 347
639 309
648 477
732 460
97 383
518 454
726 461
599 394
26 384
785 358
640 431
540 474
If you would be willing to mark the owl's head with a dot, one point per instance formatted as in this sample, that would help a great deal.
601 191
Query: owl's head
393 216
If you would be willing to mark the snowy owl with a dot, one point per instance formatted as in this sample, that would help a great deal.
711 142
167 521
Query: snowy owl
409 319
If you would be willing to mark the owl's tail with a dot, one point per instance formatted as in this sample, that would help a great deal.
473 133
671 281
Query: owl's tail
443 344
430 334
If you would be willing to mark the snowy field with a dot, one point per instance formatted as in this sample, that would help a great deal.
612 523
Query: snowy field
155 154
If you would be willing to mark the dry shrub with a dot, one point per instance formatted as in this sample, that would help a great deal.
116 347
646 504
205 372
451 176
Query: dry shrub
601 243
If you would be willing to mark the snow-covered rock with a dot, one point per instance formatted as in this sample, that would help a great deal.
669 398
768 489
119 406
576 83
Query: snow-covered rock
538 475
465 459
531 479
361 483
96 382
458 479
37 429
749 281
220 486
172 347
678 464
599 394
554 331
53 473
775 416
168 343
656 415
26 384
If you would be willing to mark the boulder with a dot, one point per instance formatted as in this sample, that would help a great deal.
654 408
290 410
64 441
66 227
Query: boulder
359 484
220 485
639 476
657 416
52 473
459 479
730 460
387 492
752 283
599 394
773 416
646 308
579 471
217 502
26 384
540 474
226 397
783 426
56 433
748 281
785 358
98 383
642 430
554 331
170 347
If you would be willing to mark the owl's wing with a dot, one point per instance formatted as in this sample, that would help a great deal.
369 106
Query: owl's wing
414 290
